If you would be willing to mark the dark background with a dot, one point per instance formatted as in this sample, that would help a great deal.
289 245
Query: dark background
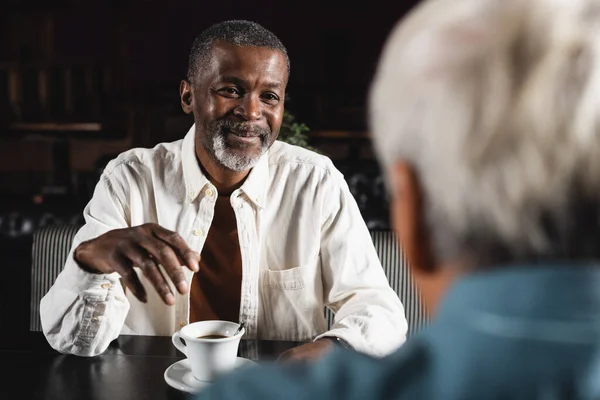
117 65
81 81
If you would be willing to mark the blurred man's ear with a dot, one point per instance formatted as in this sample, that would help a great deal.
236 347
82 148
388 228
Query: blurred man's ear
185 92
408 220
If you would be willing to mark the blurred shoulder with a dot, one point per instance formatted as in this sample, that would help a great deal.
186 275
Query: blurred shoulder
341 374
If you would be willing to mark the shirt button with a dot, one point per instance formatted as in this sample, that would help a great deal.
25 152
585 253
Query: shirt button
198 232
209 192
95 319
192 195
105 285
181 324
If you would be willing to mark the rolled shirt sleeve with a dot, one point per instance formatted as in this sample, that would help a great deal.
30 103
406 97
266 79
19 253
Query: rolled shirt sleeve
83 312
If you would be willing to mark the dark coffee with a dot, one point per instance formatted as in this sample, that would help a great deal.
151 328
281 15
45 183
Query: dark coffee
212 337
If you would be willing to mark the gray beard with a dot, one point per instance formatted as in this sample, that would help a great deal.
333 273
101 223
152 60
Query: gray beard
232 160
215 143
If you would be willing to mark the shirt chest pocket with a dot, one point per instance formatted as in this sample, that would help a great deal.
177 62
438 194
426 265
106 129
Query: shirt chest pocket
287 279
304 276
292 301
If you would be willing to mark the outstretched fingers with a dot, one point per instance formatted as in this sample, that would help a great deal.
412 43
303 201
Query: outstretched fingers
190 258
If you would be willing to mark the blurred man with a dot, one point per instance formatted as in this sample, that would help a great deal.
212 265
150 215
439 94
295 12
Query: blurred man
279 232
486 116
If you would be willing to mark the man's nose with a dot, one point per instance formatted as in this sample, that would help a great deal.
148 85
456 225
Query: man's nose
249 109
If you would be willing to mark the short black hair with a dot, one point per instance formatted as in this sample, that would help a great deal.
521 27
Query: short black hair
237 32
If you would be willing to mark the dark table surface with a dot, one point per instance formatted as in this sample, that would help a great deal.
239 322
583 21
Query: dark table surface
132 368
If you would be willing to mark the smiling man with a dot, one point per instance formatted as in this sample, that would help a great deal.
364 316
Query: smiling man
227 223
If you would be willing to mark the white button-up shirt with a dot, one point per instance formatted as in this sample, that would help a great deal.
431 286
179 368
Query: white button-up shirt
303 242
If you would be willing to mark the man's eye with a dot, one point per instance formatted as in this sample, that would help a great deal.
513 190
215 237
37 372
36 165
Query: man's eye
270 97
230 91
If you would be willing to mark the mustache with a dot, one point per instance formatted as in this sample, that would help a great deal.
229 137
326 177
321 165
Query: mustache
242 128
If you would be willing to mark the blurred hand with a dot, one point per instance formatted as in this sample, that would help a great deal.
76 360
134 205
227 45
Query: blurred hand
146 247
308 351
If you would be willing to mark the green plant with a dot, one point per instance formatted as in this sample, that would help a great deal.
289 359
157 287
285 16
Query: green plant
294 132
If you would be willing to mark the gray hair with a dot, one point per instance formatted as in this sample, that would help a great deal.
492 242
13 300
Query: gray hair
496 105
237 32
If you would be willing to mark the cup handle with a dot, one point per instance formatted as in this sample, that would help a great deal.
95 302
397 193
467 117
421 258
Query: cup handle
178 343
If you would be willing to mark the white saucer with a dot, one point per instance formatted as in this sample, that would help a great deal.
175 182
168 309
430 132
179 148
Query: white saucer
179 375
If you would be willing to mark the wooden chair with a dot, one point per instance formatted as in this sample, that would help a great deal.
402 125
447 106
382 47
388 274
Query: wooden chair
51 246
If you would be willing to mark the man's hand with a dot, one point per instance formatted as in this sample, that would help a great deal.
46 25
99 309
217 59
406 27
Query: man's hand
146 247
308 351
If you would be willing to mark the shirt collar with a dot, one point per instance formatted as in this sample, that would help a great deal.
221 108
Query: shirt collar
256 185
254 188
526 292
195 180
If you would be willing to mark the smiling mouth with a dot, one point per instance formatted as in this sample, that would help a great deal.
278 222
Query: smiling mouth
246 137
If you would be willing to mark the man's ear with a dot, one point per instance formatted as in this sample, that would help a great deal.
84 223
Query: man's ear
185 92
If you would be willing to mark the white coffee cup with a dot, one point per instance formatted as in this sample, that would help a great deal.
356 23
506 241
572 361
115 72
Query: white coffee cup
209 358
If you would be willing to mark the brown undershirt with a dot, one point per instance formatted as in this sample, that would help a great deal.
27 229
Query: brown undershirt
216 287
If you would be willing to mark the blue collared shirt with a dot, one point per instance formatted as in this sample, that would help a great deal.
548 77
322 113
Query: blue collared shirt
516 332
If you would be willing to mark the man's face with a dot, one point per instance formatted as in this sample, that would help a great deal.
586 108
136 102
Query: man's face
238 103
